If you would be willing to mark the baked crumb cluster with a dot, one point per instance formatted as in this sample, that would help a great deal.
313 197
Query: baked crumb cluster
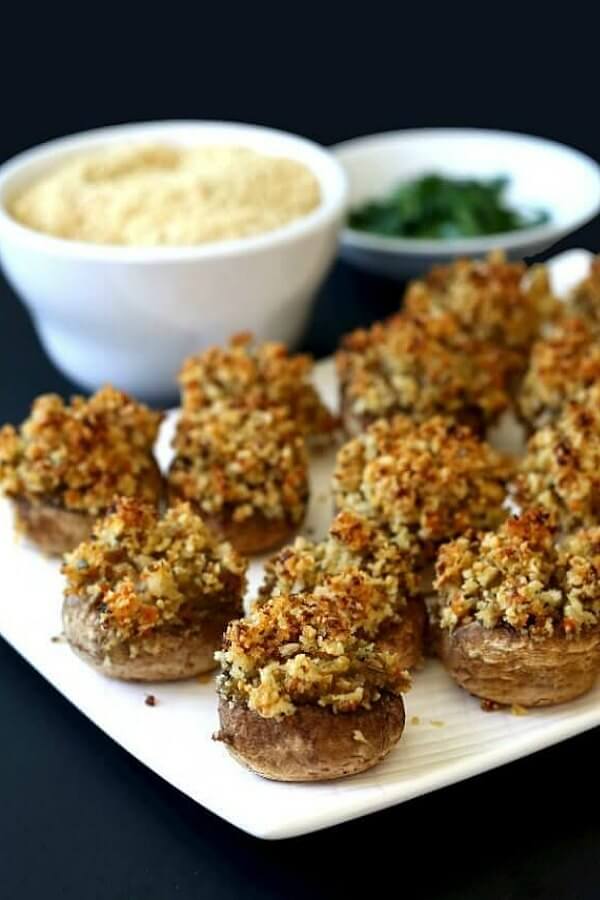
492 299
142 572
241 462
433 480
519 577
585 299
81 455
464 335
315 648
561 469
255 377
562 368
353 542
421 367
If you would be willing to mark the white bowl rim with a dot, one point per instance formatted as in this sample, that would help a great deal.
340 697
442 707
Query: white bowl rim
524 237
330 207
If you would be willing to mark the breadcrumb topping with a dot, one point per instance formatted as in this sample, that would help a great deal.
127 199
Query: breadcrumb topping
492 299
561 470
80 455
353 542
318 649
142 572
237 462
585 299
519 577
255 377
421 367
436 479
562 367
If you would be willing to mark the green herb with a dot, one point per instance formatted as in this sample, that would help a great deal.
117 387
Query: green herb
438 207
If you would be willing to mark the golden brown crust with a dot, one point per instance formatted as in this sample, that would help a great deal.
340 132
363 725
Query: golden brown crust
520 577
433 480
80 456
173 653
585 299
491 300
562 368
421 367
561 469
55 530
242 470
314 744
513 668
148 597
255 377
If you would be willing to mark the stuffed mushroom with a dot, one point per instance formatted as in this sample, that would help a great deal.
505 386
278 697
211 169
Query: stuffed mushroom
517 617
305 693
148 598
357 544
65 464
244 471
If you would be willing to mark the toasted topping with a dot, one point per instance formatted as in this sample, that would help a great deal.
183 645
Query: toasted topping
255 377
435 480
421 367
141 571
354 542
585 299
561 470
241 462
561 368
83 454
492 300
317 649
519 577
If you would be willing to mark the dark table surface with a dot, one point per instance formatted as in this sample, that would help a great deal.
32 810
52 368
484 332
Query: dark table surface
80 818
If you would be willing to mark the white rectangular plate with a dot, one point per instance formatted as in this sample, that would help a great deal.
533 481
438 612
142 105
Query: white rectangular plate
447 738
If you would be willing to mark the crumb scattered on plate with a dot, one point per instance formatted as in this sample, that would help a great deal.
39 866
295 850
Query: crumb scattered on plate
150 700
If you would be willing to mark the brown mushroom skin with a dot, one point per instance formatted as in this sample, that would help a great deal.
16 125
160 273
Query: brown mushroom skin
52 529
314 743
511 668
55 530
406 635
172 653
254 535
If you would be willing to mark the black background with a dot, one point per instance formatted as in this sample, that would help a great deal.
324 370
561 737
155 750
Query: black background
78 817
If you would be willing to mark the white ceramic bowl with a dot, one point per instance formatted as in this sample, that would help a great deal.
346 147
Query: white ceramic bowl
129 315
542 174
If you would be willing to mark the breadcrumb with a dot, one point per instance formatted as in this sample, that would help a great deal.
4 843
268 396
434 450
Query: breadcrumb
81 455
585 299
520 577
236 462
142 572
491 300
427 482
421 367
353 542
255 377
318 649
561 469
561 369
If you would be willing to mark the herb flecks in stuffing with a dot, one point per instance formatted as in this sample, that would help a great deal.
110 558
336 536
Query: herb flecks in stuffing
81 455
518 576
